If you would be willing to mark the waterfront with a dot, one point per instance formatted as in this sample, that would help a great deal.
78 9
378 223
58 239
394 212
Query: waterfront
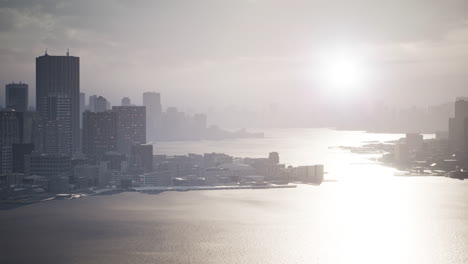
362 214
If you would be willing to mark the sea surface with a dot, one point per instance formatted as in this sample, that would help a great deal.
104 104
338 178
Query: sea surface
361 214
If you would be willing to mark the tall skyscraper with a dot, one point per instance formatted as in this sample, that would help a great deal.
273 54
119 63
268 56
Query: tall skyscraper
152 101
458 126
56 124
131 127
60 75
16 96
92 102
99 133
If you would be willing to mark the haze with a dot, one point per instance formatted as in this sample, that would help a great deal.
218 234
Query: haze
208 55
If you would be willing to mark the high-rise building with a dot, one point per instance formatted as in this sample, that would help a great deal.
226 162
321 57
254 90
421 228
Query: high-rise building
142 157
16 96
56 124
92 102
152 101
19 151
60 75
458 137
131 127
100 104
82 107
126 102
99 133
11 127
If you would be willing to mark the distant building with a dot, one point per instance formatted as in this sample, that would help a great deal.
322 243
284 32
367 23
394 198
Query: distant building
82 107
126 101
101 104
6 159
60 75
99 133
273 157
131 127
152 102
11 127
310 174
92 103
401 154
16 96
142 157
19 151
52 166
56 130
216 159
458 139
414 141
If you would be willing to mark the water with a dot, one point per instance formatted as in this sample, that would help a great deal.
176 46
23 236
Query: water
365 216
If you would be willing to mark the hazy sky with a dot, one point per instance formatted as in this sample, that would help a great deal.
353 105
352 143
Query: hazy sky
244 52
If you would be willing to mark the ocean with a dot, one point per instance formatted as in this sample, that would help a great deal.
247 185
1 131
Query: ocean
362 213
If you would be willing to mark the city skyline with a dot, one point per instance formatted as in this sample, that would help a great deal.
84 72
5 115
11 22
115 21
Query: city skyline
244 56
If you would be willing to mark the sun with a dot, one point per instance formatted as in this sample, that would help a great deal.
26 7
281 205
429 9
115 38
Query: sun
343 71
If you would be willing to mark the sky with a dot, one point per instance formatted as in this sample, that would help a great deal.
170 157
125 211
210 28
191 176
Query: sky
211 54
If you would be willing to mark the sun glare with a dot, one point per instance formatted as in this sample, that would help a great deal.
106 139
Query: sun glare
344 72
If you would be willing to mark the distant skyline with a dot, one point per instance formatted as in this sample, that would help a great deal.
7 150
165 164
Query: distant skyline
248 53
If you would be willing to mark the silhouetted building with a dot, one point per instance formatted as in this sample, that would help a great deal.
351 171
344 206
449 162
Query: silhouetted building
82 107
126 101
273 157
152 102
48 165
6 159
16 96
56 129
101 104
11 127
92 103
414 141
131 127
142 157
19 152
99 133
60 75
457 133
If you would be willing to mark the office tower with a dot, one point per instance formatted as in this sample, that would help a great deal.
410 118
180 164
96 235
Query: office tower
174 125
142 157
19 151
56 124
458 135
60 75
92 103
100 104
82 107
6 160
16 96
131 127
273 157
55 167
11 132
99 133
11 127
126 102
152 101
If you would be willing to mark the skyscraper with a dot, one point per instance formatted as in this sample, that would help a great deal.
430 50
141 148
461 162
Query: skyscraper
99 133
11 132
152 101
131 127
16 96
82 107
100 104
60 75
458 126
56 124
